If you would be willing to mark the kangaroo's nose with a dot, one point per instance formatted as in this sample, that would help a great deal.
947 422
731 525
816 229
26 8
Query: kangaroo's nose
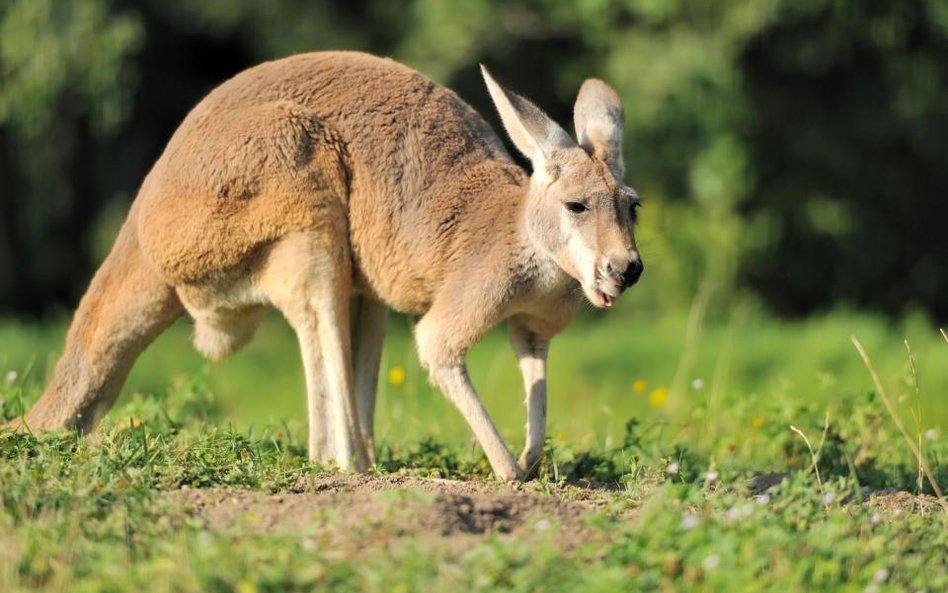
632 273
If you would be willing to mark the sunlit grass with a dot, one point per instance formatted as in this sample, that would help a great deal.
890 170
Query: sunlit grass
603 370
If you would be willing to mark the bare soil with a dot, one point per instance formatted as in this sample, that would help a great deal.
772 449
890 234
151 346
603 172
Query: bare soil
899 501
351 511
350 507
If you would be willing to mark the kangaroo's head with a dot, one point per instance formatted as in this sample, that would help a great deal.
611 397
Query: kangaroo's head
579 212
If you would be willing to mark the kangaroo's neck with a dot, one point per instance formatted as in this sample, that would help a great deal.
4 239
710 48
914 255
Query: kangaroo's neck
517 258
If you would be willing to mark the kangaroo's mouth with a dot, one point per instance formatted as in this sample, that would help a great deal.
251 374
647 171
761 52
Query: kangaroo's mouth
607 300
603 299
600 294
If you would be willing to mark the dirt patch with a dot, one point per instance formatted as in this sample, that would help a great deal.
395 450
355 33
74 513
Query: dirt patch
383 507
895 502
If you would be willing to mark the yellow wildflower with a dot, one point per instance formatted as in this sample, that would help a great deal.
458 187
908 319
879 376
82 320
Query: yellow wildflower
757 422
136 422
658 397
247 586
639 386
396 375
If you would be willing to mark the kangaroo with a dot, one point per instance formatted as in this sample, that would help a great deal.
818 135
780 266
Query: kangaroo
335 186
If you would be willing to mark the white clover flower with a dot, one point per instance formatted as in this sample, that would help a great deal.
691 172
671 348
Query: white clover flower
737 512
829 498
672 469
711 562
873 588
881 576
931 434
697 384
689 521
762 499
11 376
543 525
875 519
711 477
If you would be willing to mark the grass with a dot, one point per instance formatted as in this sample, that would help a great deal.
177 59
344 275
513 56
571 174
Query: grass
751 377
673 463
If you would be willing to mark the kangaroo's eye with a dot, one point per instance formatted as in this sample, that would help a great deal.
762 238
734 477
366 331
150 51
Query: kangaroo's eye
576 207
634 210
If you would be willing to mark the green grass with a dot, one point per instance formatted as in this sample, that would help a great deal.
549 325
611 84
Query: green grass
756 376
89 513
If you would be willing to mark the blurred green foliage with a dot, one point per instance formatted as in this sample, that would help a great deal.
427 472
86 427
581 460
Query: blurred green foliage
796 148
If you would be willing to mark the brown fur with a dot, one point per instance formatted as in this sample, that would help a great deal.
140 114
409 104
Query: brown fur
331 186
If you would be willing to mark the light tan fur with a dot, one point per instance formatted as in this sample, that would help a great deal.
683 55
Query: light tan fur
334 186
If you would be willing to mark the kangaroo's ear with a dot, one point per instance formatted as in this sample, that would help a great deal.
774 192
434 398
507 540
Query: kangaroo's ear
599 121
533 133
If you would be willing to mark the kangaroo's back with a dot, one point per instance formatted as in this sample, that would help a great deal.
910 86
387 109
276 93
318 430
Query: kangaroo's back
408 158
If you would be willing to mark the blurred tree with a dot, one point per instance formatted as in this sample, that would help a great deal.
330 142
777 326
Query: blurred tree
849 101
63 82
797 148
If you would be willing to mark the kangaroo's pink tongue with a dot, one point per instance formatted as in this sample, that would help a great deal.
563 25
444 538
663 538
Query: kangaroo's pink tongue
607 299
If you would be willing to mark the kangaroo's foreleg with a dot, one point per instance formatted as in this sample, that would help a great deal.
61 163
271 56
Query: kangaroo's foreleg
531 350
442 343
124 309
368 332
456 385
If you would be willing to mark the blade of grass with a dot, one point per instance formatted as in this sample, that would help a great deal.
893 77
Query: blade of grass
917 413
813 456
693 329
890 407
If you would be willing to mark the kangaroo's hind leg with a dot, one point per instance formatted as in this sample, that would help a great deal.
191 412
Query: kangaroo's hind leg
368 333
308 277
124 309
